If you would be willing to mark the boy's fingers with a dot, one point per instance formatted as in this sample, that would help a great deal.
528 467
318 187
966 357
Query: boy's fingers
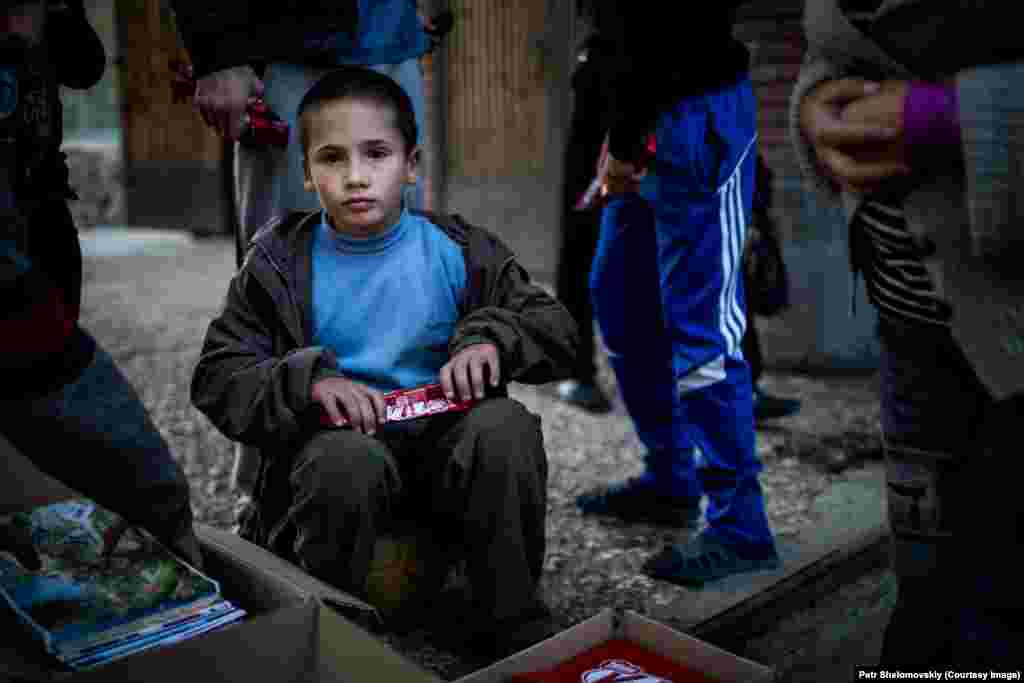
494 368
476 376
447 385
462 381
330 404
379 406
367 418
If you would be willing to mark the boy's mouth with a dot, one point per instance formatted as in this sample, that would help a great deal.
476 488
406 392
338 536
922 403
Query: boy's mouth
359 204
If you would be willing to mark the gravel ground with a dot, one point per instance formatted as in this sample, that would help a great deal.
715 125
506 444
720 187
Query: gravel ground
152 317
151 312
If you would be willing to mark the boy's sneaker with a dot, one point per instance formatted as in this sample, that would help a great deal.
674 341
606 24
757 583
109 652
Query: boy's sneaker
768 407
633 500
585 395
705 558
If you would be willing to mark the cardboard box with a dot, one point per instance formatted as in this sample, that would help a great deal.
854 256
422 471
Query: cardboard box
290 635
609 623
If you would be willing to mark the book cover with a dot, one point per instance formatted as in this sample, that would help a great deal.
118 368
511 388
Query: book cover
80 593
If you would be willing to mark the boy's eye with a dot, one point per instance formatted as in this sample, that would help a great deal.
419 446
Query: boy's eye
379 153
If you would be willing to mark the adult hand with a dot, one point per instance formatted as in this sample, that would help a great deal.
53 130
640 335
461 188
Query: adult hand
222 97
463 375
851 145
617 177
361 405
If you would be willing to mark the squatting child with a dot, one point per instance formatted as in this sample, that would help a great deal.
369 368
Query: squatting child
335 307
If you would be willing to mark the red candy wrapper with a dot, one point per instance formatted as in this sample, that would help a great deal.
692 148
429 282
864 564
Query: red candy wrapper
409 404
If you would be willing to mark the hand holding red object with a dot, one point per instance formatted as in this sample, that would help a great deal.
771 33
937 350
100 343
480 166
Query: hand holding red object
260 126
409 404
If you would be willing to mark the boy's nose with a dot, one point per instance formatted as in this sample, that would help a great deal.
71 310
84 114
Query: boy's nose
356 174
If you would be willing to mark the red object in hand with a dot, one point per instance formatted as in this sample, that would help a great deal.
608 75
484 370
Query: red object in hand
262 126
409 404
593 196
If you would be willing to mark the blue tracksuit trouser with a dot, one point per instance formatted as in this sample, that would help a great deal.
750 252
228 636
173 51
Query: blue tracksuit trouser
668 298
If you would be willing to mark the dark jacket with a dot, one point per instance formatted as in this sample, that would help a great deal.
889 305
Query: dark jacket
41 345
662 56
229 33
258 364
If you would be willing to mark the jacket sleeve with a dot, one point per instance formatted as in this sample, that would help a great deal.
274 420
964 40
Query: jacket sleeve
250 394
992 132
537 338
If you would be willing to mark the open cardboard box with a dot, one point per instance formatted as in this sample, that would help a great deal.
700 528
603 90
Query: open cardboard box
289 635
611 623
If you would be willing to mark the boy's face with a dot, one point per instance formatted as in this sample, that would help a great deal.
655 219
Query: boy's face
357 163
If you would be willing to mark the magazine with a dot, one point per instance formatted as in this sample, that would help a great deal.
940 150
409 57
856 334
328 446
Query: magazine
101 591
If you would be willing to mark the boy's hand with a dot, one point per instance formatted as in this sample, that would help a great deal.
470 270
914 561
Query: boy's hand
847 148
463 376
223 96
361 405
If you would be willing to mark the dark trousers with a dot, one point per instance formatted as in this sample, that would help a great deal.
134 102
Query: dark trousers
582 229
478 480
955 509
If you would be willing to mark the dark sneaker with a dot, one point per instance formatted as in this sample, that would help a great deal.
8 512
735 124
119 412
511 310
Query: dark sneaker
633 500
705 558
768 407
585 395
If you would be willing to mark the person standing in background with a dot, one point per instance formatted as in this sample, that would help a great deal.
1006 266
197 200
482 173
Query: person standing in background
581 226
667 284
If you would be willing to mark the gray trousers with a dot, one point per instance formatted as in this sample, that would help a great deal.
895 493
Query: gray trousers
478 480
268 180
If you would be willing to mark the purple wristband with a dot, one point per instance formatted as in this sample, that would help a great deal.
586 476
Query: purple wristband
931 120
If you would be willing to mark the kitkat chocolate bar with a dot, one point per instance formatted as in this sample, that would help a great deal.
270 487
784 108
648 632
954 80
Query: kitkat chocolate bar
409 404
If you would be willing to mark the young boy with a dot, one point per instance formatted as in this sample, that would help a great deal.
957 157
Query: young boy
335 307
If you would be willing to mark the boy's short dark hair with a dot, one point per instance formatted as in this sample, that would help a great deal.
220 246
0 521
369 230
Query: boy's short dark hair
356 82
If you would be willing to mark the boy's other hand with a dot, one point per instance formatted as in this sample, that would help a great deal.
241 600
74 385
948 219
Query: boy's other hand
223 96
463 376
847 147
361 405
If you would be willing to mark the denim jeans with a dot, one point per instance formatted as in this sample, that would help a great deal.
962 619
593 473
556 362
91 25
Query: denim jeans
95 436
954 511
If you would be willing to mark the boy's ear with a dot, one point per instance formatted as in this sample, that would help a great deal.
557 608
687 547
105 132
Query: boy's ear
307 179
412 164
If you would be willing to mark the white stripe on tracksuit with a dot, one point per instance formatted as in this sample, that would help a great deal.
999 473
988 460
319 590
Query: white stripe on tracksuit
731 319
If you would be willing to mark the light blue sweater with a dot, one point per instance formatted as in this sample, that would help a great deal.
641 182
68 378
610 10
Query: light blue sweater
387 306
